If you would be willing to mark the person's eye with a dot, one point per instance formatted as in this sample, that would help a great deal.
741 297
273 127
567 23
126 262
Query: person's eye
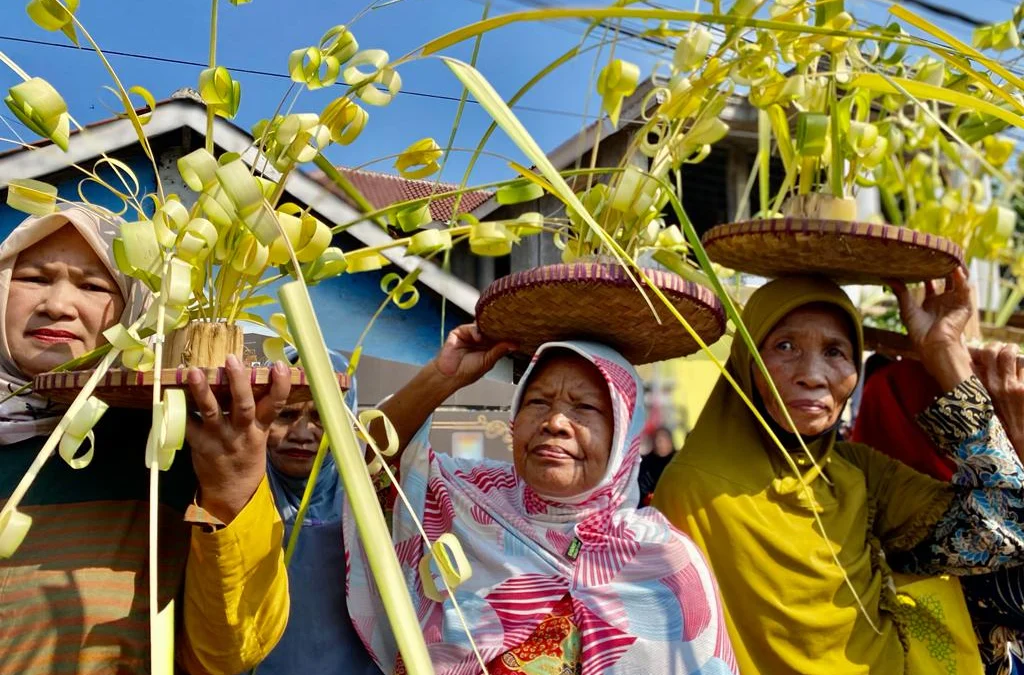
588 407
288 416
835 353
784 346
535 401
95 288
32 279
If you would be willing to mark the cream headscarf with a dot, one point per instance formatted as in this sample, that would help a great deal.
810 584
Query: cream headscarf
28 415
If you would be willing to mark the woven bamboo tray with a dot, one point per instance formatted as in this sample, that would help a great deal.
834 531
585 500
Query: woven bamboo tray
598 301
122 388
849 252
898 345
1002 333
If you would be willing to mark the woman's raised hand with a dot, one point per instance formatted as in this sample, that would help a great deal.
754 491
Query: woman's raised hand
998 366
467 355
936 327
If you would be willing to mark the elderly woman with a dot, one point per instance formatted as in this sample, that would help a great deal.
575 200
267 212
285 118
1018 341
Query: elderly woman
567 576
74 597
319 637
771 537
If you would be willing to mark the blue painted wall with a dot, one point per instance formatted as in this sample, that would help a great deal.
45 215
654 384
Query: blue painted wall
344 305
69 182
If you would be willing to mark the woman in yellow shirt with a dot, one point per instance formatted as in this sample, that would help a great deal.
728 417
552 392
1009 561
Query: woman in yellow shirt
789 607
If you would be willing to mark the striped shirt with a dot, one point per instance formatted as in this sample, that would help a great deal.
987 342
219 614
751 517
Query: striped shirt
75 596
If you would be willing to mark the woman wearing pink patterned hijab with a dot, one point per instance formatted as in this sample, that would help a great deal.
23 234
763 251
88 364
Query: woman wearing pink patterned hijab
567 576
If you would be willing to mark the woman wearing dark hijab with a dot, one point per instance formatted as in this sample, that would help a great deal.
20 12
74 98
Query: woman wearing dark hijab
654 462
320 637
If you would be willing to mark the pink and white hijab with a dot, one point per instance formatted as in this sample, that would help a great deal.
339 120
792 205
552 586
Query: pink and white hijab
642 594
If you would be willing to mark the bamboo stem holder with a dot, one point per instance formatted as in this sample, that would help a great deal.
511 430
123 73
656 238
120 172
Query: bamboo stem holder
203 344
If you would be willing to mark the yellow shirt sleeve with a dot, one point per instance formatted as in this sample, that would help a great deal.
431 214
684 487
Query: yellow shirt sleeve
909 503
236 591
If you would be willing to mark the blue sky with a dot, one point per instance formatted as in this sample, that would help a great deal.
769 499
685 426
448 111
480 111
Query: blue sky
260 35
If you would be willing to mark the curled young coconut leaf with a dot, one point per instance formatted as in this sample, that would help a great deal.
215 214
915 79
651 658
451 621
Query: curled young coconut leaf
39 107
419 160
220 91
32 196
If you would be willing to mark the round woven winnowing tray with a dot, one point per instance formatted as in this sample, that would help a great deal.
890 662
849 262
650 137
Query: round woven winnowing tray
848 252
598 301
121 388
1002 333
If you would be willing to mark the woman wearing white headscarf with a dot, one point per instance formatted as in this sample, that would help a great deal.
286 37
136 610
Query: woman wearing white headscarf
567 576
28 415
74 596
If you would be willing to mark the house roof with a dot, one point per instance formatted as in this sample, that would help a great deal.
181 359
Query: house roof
385 189
576 145
111 135
740 115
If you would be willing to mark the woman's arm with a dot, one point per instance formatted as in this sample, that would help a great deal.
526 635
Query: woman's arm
977 529
236 586
410 407
980 531
963 424
465 357
236 591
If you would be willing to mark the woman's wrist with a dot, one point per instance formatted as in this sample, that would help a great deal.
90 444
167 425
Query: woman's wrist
440 385
225 504
949 365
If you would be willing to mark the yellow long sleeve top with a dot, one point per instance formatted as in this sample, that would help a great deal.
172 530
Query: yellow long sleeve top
236 591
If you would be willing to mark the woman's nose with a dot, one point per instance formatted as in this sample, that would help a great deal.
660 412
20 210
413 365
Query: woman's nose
58 301
811 373
557 424
303 429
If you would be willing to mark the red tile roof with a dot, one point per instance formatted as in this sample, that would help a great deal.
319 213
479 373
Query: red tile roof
384 189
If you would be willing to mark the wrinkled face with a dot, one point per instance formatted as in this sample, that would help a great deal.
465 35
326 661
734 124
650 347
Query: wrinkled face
811 359
663 445
61 300
562 434
294 438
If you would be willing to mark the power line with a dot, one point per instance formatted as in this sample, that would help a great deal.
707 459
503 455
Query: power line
947 12
560 26
267 73
621 29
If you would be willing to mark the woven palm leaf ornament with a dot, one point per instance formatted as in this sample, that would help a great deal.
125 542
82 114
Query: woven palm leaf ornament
833 133
209 264
904 108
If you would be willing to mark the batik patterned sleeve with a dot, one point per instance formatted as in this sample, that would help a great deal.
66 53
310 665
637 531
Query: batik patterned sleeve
981 530
964 424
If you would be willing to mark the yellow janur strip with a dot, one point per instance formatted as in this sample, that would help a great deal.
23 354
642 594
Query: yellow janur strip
922 90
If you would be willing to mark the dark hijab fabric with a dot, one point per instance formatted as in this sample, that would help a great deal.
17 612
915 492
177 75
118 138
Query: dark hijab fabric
319 637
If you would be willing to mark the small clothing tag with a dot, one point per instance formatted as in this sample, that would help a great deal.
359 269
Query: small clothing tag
574 549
